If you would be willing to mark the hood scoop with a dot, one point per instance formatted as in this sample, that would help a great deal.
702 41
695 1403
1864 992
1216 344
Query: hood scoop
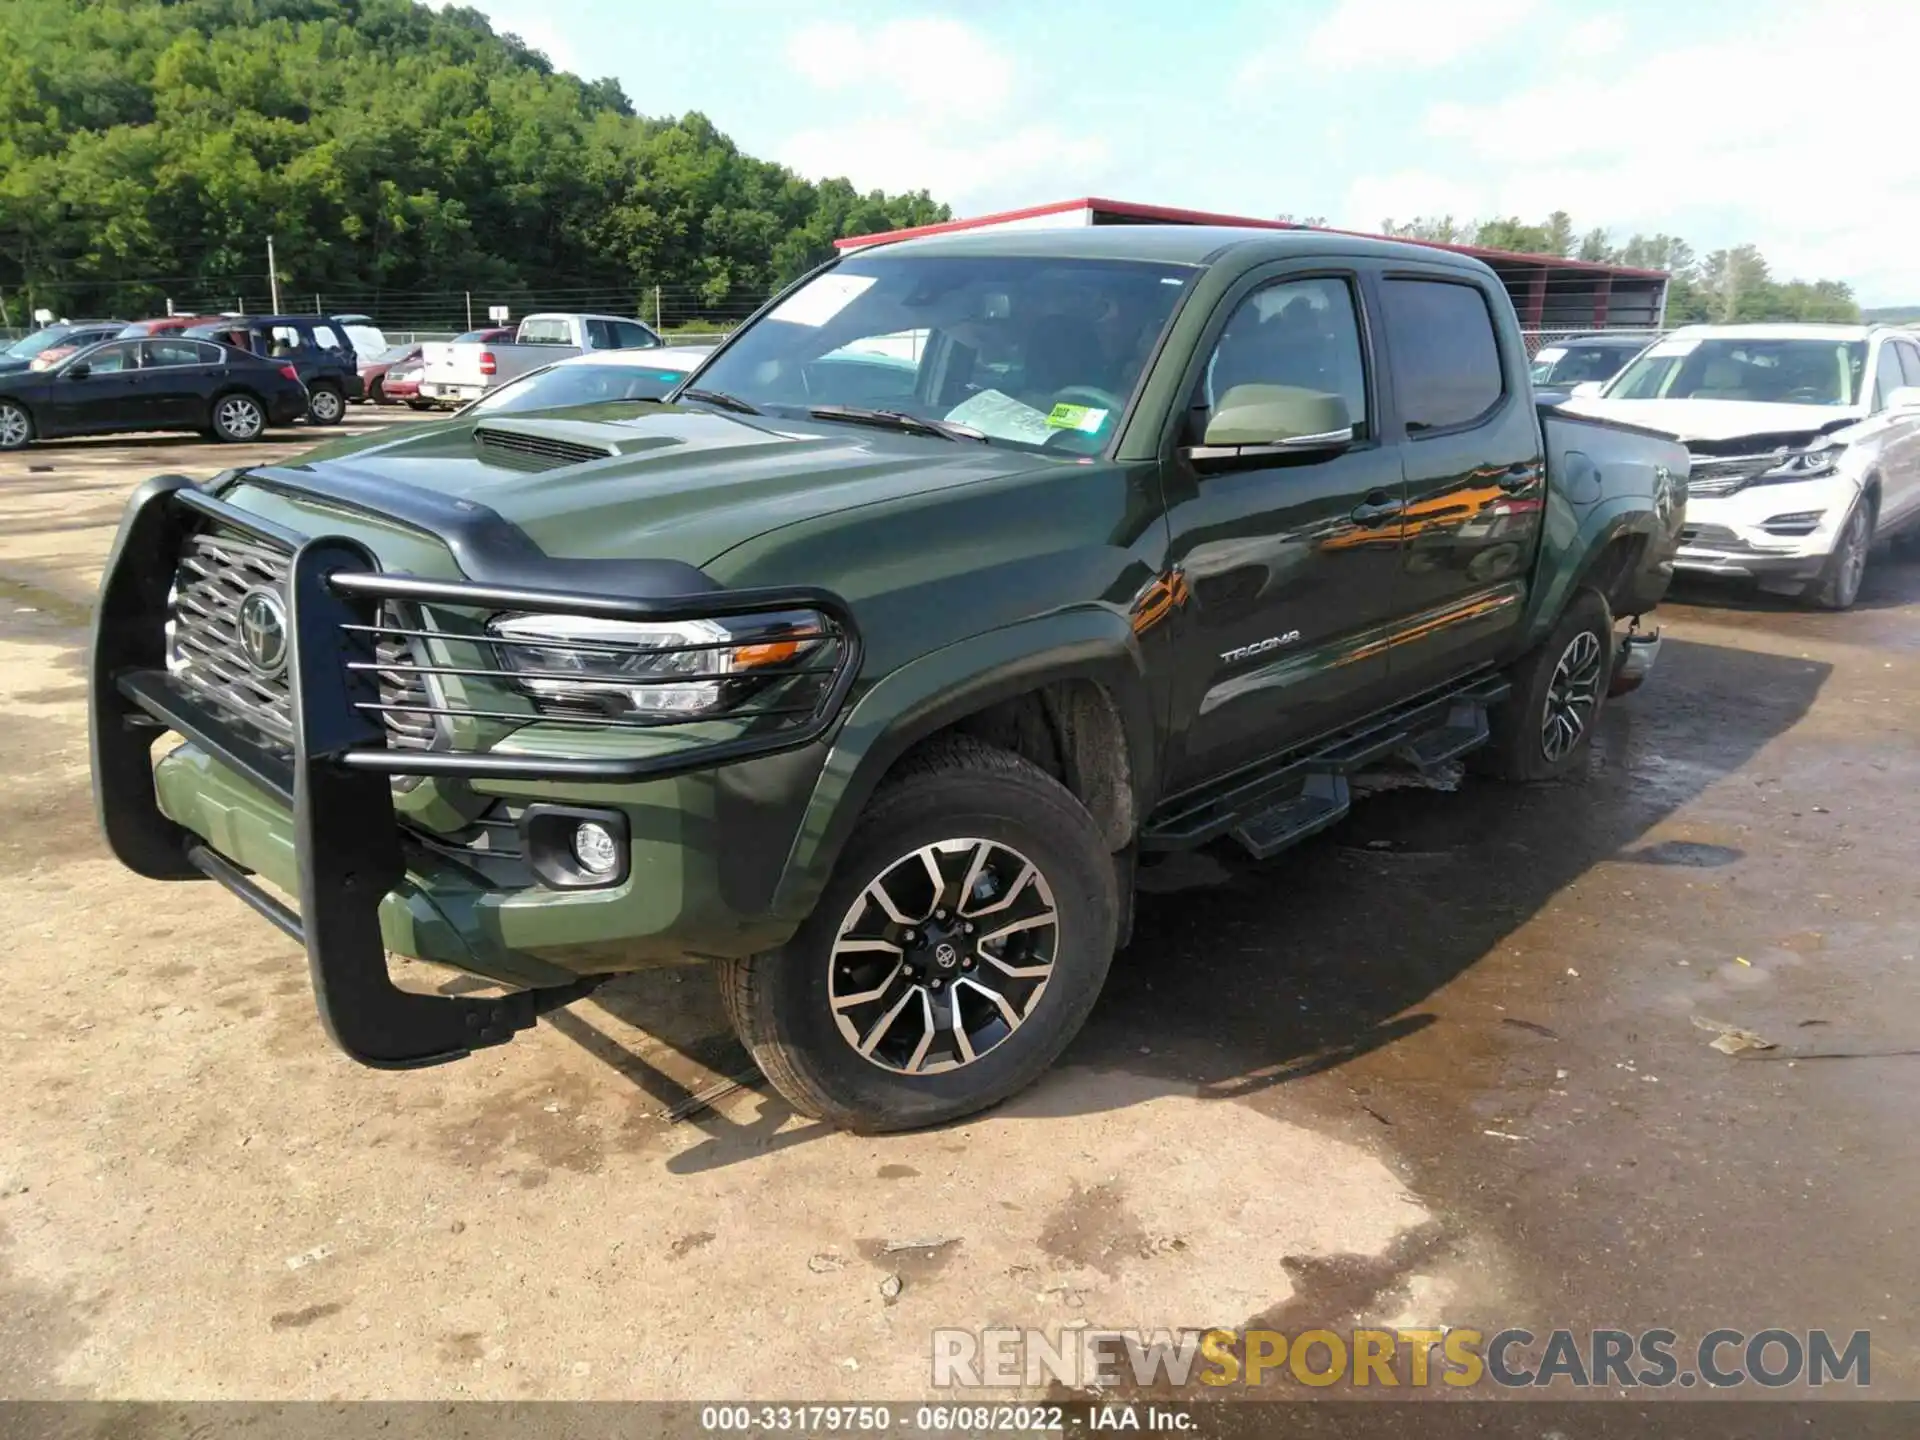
532 451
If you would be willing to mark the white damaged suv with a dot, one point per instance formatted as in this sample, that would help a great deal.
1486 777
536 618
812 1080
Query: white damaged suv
1805 443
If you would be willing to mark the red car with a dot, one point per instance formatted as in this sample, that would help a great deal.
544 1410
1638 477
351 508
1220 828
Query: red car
375 372
163 325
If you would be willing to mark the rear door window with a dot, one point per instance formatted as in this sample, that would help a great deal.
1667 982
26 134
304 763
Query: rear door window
1443 351
600 335
170 352
630 336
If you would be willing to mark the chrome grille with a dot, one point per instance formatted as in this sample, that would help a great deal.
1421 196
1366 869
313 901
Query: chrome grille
1711 475
204 651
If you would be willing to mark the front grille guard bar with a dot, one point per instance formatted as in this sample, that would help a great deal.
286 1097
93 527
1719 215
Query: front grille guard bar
337 783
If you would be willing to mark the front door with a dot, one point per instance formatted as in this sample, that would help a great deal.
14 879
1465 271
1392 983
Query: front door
1287 563
107 396
1476 475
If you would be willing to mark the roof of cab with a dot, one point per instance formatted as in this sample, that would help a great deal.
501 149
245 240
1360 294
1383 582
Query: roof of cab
1165 244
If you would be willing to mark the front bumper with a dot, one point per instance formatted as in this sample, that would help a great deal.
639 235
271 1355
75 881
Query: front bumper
1728 536
321 821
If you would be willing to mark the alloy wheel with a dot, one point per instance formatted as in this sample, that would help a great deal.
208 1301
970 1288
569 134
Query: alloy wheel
943 956
1854 544
1573 695
326 405
239 417
15 429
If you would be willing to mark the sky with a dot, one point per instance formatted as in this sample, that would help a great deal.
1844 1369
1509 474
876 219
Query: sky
1791 125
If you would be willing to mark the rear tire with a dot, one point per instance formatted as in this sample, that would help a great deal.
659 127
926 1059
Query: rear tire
237 417
325 405
1838 584
1545 727
376 394
16 426
835 1018
419 405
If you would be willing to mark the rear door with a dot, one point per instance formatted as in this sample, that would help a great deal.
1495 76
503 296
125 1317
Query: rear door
1286 563
108 396
1900 450
177 376
1469 438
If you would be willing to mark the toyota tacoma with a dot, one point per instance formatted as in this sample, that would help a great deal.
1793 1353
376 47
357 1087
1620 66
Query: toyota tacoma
869 666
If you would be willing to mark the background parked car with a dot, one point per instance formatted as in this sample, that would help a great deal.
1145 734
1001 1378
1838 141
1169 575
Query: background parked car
373 372
173 382
1581 360
594 378
164 325
317 347
463 371
46 348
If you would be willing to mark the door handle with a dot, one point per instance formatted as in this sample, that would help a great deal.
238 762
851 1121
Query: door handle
1518 477
1376 509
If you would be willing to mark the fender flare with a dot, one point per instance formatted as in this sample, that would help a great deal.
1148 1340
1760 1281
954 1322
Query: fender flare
930 693
1626 517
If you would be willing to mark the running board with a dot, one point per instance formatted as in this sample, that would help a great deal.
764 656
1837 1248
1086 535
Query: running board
1270 805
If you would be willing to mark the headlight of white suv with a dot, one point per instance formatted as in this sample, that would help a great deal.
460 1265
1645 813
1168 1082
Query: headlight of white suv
1808 464
578 664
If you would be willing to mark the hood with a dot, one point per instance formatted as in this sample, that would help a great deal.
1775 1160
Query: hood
653 481
1717 420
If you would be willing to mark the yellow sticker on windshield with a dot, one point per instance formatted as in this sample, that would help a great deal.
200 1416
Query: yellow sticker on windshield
1077 417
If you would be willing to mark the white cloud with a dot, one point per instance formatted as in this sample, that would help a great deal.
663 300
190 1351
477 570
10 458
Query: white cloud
1403 34
1791 132
1594 37
930 103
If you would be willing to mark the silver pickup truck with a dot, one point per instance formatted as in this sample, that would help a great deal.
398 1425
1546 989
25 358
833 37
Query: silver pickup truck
458 371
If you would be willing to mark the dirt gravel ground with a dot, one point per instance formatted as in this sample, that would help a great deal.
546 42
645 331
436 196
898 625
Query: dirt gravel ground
1442 1065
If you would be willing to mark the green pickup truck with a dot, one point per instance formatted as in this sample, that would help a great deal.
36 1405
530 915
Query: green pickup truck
978 572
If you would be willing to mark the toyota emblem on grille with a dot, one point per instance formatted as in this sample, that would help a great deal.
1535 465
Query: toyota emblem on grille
263 631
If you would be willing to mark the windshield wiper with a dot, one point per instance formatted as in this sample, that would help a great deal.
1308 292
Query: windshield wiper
897 420
722 399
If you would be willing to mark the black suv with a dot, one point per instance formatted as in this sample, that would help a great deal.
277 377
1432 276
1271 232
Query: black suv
316 345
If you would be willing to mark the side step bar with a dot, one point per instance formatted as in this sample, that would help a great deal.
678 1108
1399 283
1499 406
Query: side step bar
1276 802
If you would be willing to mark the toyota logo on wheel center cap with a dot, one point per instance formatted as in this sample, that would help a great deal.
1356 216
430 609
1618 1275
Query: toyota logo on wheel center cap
263 631
945 956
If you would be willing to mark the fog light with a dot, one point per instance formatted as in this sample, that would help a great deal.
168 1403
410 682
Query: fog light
1799 522
595 847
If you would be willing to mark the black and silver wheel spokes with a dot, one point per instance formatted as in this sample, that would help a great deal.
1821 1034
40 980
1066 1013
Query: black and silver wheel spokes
943 956
1853 557
1573 695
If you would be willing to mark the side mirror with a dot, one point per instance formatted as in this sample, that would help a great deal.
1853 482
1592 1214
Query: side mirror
1256 422
1906 397
1589 390
79 372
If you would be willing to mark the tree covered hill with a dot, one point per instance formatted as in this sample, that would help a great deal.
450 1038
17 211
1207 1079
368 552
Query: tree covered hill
398 155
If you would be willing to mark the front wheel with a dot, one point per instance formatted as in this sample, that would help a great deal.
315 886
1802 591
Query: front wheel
16 426
326 405
1545 726
959 946
1838 584
237 418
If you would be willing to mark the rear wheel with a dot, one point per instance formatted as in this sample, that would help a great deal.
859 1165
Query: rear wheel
959 946
376 393
238 417
325 405
419 405
16 426
1545 726
1838 585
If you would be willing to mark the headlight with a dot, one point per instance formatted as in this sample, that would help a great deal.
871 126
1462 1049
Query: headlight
677 668
1807 464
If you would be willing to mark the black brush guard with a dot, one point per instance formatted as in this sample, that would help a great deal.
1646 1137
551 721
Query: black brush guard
338 781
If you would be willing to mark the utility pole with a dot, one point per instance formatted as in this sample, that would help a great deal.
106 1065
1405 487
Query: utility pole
273 276
656 308
469 295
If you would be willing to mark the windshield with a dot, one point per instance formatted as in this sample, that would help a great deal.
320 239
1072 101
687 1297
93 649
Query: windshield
562 385
1030 351
33 344
1771 372
1578 364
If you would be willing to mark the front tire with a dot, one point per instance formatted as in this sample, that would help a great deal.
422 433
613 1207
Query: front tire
1545 727
959 946
238 418
16 426
325 405
1838 585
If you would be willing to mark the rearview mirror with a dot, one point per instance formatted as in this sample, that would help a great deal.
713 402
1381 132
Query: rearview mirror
79 372
1272 420
1906 397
